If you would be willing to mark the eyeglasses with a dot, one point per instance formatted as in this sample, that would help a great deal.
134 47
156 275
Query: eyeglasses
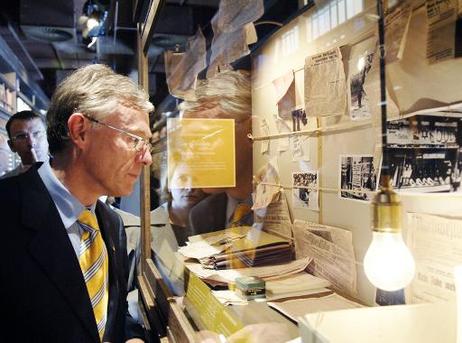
137 143
24 136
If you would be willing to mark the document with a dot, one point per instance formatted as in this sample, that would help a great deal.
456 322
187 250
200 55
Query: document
295 283
436 244
284 87
300 148
181 69
397 21
325 86
201 153
284 142
294 309
201 249
332 251
239 247
267 179
275 218
228 276
441 37
264 144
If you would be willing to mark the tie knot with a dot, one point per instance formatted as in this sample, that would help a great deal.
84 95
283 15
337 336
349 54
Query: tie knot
88 218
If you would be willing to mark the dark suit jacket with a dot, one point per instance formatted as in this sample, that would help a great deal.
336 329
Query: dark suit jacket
42 291
210 214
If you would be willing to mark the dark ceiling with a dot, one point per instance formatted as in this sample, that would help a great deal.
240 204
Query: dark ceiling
59 48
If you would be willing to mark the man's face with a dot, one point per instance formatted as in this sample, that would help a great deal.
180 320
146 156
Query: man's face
111 160
28 139
185 197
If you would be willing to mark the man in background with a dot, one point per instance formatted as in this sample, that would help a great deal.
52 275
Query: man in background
225 96
63 265
27 137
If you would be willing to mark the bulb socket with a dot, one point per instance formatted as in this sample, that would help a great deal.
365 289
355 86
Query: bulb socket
386 211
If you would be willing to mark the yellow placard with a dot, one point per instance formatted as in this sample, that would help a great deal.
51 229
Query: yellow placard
207 311
201 153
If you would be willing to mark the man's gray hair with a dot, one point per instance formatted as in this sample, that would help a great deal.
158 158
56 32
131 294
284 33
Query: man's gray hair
229 90
95 90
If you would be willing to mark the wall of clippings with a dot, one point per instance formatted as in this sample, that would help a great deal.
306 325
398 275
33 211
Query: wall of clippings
330 144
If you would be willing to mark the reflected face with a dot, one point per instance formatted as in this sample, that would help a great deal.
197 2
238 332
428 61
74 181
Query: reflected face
112 162
28 140
186 196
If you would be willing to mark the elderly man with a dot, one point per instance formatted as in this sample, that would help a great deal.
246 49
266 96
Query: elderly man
27 137
227 96
63 261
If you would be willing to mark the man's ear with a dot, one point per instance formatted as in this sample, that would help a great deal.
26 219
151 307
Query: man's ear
11 145
78 128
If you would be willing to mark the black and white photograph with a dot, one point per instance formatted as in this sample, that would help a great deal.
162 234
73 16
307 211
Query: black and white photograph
357 176
299 120
425 153
305 197
359 102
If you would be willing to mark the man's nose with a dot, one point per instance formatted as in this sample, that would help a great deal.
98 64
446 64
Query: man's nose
31 140
145 157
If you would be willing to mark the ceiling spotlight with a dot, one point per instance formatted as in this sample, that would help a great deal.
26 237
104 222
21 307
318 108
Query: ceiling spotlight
92 20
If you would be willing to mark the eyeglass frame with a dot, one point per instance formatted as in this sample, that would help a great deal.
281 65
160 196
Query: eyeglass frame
146 144
24 136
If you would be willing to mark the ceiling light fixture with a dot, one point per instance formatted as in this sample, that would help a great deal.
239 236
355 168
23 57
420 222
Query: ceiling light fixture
92 21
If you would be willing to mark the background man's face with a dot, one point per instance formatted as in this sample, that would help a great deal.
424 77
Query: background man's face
31 143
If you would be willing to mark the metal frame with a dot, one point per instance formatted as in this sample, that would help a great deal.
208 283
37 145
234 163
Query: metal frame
158 306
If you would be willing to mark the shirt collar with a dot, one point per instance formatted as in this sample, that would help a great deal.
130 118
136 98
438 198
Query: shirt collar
68 206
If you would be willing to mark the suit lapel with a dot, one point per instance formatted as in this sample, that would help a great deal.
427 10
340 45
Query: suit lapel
52 249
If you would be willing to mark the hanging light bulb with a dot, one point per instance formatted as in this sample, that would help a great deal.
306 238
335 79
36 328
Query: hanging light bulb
388 263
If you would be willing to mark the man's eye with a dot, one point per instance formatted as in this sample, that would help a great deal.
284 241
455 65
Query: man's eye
21 136
135 141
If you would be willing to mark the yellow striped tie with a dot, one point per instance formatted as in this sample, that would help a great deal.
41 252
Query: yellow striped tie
93 261
242 209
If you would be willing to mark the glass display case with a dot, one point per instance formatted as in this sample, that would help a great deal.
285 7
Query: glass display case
285 147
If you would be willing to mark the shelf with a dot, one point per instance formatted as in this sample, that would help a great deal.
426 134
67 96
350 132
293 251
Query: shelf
427 146
426 189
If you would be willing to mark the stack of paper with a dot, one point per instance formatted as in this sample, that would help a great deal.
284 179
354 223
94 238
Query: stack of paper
227 276
295 285
295 309
239 247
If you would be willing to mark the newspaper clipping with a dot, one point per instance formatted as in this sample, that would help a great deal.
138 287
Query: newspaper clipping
397 21
436 244
332 250
275 218
325 87
441 42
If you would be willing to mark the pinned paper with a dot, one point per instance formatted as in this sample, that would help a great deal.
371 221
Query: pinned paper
182 68
284 87
325 88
